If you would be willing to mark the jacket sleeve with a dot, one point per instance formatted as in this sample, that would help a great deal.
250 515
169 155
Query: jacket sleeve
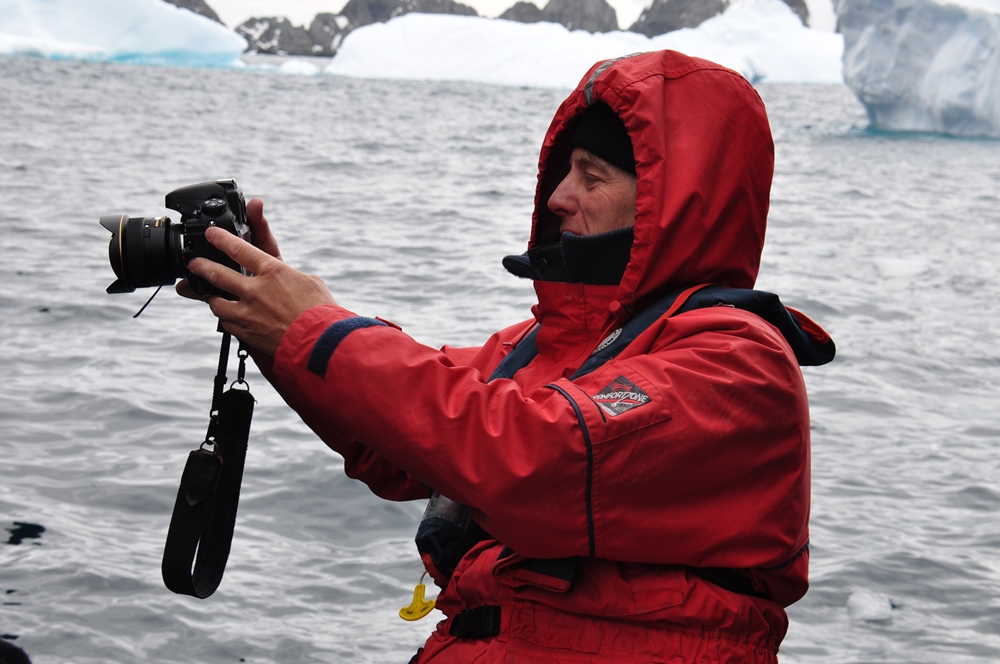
693 450
360 462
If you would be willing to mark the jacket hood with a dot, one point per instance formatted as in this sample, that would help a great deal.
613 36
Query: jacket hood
704 161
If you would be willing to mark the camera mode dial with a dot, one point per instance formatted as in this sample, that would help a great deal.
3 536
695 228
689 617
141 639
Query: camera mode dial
213 207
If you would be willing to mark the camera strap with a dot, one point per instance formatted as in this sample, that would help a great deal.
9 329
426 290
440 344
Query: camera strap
204 516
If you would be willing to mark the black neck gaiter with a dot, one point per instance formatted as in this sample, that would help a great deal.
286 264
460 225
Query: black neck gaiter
598 260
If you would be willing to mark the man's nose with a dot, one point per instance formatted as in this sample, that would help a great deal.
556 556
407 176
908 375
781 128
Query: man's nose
561 202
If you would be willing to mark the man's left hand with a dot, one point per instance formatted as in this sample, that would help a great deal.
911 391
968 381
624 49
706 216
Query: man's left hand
268 302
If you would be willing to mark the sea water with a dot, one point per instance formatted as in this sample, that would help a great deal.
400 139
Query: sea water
404 196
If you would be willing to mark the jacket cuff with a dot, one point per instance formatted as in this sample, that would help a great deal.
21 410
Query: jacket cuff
299 343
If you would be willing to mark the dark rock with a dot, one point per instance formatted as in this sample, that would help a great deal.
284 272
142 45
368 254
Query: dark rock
439 7
276 35
665 16
668 15
800 9
198 7
523 12
589 15
366 12
327 31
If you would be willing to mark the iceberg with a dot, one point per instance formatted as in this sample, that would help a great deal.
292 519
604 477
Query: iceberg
145 31
920 65
762 39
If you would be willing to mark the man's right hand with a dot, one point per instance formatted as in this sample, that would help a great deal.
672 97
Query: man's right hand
260 234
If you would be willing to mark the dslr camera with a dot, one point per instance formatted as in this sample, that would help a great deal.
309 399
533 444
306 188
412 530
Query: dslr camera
154 251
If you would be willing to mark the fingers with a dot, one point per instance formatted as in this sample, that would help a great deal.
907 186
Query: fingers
263 239
266 304
262 236
219 276
184 289
244 253
231 317
226 311
240 251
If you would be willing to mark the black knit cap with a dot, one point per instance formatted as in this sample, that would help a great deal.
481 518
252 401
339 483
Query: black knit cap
600 131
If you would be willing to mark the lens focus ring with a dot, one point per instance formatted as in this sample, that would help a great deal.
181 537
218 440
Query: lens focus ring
134 254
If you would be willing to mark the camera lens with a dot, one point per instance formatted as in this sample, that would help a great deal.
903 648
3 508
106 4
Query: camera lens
144 251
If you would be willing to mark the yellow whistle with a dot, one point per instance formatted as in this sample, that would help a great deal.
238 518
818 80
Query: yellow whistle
419 607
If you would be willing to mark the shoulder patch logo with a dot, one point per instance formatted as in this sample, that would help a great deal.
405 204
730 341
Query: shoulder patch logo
620 396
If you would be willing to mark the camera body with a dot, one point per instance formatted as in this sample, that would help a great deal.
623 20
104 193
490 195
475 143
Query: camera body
204 205
147 251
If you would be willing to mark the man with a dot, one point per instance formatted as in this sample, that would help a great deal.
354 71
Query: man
630 468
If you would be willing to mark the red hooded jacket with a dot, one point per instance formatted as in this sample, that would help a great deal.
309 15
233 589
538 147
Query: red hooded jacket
709 472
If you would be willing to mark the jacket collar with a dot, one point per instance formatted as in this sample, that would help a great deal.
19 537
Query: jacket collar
572 315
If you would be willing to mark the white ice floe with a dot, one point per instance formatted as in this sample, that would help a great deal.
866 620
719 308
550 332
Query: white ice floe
118 30
869 606
922 65
762 39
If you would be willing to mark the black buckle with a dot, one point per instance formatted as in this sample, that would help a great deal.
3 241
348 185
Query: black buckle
477 623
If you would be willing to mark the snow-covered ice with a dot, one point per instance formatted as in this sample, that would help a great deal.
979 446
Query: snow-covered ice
921 65
762 39
149 31
869 606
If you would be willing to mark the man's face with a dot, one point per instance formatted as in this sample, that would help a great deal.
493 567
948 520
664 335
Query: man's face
594 197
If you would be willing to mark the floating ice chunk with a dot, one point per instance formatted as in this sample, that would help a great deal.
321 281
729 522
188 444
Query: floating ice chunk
869 606
921 65
299 67
901 267
122 30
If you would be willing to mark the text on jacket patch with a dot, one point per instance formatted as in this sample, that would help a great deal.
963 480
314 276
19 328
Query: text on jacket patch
620 396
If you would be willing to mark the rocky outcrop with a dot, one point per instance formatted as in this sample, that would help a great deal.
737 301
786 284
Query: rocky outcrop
800 9
327 31
276 35
365 12
523 12
323 37
589 15
668 15
198 7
